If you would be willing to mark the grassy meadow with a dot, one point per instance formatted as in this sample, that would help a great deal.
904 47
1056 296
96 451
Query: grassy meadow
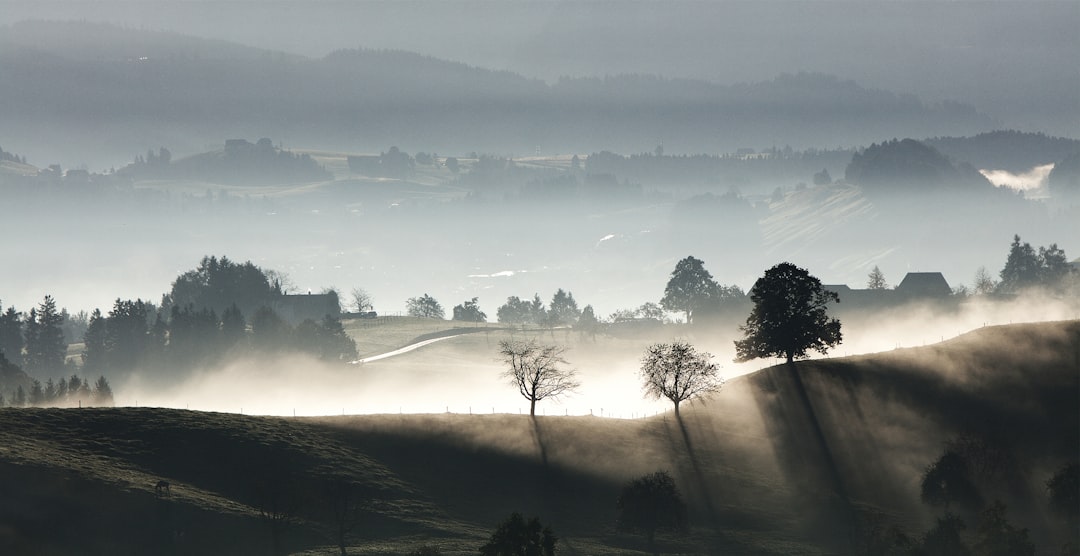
811 461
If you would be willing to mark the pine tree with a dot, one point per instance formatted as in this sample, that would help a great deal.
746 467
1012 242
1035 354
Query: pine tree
103 394
31 359
876 280
37 394
61 391
11 336
50 392
94 354
45 345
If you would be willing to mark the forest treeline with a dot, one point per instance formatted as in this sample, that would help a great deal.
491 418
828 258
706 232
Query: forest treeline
202 321
320 101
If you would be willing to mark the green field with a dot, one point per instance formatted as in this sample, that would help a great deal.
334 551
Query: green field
759 476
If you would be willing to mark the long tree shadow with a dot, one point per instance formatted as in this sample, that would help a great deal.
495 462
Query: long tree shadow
699 473
538 438
805 456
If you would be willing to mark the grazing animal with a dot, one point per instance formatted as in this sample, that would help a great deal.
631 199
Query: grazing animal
162 488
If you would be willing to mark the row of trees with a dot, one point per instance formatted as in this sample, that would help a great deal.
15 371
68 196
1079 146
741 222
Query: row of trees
202 320
69 392
675 371
135 334
789 320
562 311
35 342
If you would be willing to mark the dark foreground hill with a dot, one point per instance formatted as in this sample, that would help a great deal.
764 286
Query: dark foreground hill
815 461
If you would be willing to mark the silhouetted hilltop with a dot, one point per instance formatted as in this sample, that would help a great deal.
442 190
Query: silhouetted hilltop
91 41
910 166
1015 151
159 88
817 459
240 162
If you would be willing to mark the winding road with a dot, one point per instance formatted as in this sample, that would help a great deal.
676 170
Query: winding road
404 349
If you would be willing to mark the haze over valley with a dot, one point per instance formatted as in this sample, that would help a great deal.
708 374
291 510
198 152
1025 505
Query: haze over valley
398 277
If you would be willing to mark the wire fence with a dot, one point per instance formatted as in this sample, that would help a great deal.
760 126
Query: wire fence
402 410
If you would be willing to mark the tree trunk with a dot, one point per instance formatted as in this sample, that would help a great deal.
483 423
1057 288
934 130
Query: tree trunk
677 410
532 407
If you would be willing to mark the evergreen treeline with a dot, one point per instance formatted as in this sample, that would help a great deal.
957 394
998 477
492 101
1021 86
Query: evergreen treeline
202 321
66 392
907 166
1015 151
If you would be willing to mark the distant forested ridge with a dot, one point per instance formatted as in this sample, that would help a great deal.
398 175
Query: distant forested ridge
1015 151
160 87
744 167
911 166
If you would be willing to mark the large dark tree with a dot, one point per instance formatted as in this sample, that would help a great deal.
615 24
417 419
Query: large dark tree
1022 267
947 482
789 318
1027 268
689 287
1064 490
516 537
218 283
678 372
649 504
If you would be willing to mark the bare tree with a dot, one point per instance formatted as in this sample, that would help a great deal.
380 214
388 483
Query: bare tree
678 372
984 283
278 504
362 300
537 370
345 505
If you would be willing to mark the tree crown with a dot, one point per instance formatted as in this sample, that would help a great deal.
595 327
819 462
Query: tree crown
790 316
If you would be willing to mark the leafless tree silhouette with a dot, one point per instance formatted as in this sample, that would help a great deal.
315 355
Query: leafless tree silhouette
537 370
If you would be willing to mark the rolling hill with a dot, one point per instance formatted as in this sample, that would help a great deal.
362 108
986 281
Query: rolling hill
142 89
810 461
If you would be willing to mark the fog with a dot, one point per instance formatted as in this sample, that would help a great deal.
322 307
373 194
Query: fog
940 50
546 108
1024 181
462 375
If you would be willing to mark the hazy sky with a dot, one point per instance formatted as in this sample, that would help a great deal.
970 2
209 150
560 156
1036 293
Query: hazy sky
986 53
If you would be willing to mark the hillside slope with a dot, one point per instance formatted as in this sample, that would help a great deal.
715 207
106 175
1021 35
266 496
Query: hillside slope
777 463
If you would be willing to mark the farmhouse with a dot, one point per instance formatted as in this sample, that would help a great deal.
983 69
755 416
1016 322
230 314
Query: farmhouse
915 287
298 308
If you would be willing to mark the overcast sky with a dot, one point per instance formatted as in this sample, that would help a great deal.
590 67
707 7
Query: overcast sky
982 52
